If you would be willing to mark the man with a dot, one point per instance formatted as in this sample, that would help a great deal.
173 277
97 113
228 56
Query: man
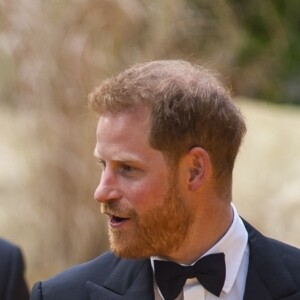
12 283
167 138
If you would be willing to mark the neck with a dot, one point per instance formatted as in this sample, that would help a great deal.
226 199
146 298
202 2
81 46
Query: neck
207 229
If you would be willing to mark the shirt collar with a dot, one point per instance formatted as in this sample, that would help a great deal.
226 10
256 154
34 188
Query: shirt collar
233 244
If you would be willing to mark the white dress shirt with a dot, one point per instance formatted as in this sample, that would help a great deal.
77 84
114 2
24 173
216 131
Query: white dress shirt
234 244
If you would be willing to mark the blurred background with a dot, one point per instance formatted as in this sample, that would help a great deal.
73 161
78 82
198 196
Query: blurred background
52 53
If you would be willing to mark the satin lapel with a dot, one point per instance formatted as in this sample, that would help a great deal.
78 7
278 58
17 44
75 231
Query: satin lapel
268 276
130 279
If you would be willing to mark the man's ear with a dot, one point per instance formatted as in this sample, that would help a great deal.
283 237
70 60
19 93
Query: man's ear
198 167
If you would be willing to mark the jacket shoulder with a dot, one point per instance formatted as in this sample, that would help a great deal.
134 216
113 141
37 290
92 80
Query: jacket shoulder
10 256
277 263
70 284
290 255
7 249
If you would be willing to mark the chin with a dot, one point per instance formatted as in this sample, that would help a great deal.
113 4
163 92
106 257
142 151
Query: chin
129 251
127 246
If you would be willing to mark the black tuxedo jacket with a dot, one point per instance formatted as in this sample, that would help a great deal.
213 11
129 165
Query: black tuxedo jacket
274 273
12 283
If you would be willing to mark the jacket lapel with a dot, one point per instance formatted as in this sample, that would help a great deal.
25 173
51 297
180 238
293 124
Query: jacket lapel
130 279
268 277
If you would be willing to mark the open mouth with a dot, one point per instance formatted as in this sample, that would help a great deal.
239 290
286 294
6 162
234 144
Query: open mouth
116 221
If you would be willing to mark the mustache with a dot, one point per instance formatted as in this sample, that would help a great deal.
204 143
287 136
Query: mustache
116 209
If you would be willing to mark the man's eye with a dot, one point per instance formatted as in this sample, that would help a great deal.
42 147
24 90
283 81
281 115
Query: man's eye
128 168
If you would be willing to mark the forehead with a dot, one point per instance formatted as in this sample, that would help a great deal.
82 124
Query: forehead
125 132
124 123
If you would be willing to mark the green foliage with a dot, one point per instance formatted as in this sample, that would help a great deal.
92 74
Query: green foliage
272 38
266 61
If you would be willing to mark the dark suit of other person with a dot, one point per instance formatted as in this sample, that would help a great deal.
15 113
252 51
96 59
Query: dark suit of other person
12 282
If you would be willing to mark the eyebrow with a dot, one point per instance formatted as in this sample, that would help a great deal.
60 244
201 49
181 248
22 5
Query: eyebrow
126 157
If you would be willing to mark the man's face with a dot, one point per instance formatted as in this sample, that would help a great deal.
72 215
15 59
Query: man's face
146 214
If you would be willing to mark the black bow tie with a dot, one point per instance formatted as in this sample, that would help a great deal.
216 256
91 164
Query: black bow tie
209 270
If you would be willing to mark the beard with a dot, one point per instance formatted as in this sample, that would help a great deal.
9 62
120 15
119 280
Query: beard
158 232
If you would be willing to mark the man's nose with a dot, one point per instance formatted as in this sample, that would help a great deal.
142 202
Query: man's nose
107 190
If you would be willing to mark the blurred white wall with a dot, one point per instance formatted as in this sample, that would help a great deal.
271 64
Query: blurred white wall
267 172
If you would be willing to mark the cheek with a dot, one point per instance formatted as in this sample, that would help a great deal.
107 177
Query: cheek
146 196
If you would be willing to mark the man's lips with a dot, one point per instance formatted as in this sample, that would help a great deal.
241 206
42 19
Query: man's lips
116 221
